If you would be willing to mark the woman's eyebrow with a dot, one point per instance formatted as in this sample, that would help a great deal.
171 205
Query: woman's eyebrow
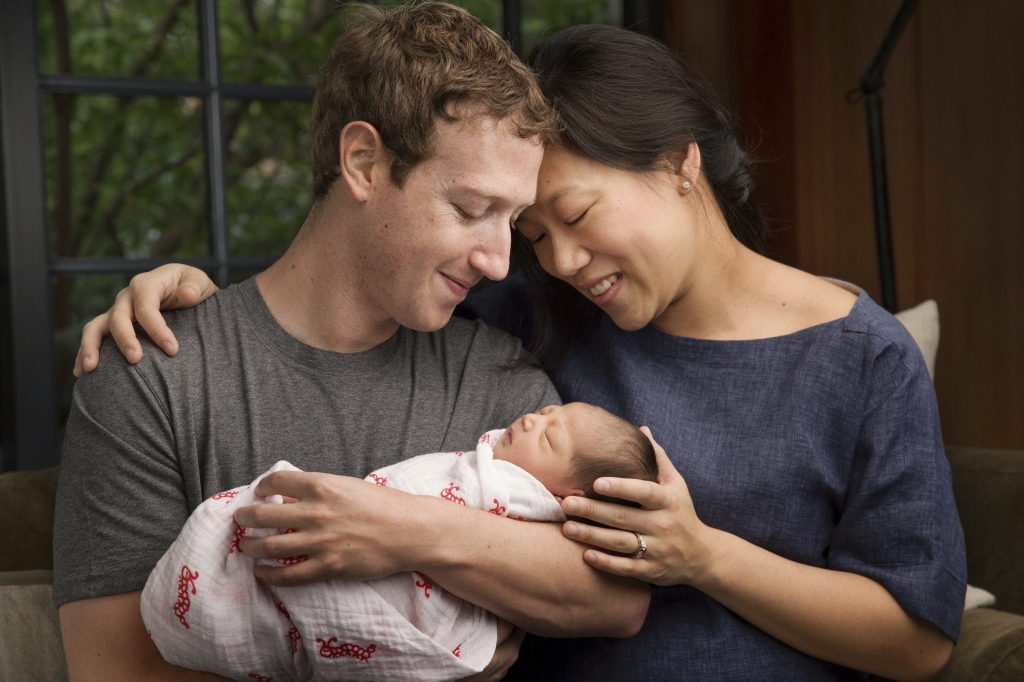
564 191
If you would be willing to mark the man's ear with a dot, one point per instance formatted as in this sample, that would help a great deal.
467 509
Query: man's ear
686 167
361 151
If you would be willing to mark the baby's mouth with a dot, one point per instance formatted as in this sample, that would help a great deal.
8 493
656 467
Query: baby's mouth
508 435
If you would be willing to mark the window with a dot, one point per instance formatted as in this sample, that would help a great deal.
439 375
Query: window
148 131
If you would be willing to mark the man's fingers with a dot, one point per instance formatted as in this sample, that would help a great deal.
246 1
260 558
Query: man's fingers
507 653
505 629
288 576
624 542
299 485
269 516
280 546
93 334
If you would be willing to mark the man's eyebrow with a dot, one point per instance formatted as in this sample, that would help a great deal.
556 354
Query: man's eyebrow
485 194
475 191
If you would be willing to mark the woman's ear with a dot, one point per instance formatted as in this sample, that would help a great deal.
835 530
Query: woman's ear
686 167
361 151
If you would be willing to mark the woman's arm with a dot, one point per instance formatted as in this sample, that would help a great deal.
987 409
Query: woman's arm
837 616
168 287
526 573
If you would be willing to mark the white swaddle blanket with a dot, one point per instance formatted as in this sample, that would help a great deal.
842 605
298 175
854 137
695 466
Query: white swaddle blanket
206 611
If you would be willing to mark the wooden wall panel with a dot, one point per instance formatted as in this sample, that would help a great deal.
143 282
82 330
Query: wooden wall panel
972 64
953 108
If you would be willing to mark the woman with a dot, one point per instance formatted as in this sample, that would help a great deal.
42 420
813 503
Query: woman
805 528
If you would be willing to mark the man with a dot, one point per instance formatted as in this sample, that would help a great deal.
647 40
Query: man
427 139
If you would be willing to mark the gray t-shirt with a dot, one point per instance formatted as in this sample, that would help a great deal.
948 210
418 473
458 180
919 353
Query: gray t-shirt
147 443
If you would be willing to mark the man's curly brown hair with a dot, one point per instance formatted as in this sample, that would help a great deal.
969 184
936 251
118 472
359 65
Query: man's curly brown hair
403 69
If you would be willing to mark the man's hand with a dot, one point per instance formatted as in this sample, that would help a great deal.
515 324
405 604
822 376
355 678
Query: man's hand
526 573
168 287
510 638
344 527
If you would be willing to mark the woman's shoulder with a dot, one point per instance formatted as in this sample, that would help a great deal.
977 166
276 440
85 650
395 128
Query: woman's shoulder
865 334
809 300
885 336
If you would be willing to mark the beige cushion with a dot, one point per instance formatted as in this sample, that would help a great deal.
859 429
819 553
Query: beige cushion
31 648
977 597
922 321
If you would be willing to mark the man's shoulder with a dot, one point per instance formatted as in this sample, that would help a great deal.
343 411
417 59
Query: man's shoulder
474 339
204 331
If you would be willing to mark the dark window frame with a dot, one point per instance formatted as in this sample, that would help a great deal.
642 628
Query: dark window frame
29 424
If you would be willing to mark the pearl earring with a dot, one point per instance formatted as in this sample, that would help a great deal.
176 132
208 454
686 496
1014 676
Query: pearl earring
686 184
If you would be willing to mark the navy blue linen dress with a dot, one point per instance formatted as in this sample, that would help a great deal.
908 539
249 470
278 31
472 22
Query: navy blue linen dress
822 446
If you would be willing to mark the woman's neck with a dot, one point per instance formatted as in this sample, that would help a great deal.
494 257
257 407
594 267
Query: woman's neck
733 293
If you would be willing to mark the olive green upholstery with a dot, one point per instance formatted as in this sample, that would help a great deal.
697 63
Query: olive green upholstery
989 490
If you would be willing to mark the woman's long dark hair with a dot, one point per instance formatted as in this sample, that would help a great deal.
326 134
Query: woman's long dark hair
627 100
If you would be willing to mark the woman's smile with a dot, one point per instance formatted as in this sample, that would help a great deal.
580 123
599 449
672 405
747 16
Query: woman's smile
604 291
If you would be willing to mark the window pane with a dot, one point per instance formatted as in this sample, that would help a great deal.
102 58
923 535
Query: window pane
76 301
541 18
285 41
276 42
126 176
488 11
269 178
130 38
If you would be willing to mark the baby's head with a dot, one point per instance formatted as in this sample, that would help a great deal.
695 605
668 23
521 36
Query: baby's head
568 447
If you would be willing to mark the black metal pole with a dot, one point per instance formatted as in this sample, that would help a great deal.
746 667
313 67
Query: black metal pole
215 160
870 88
880 195
24 205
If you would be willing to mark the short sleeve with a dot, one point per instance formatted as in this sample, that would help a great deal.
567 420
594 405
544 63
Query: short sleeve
899 524
120 496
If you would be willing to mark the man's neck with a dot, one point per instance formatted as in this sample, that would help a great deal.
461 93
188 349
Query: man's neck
314 293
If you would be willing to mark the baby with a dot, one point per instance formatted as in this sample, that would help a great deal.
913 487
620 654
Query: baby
205 610
569 447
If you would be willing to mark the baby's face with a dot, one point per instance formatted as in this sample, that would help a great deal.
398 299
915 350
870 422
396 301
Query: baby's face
541 443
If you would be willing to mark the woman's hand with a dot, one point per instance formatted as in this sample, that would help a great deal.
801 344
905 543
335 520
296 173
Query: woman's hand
344 527
510 638
837 616
676 539
168 287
